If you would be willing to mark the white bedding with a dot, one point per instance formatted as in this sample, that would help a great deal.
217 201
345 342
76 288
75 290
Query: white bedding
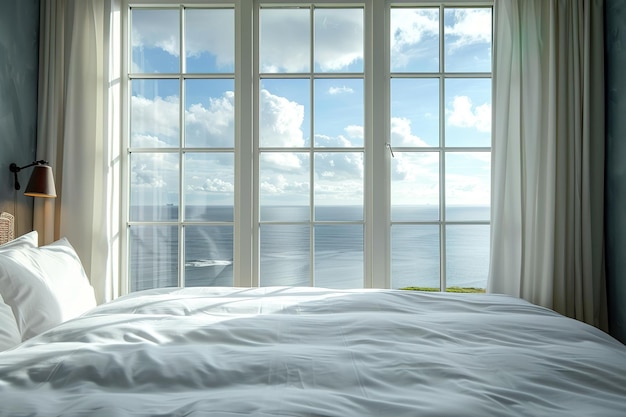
315 352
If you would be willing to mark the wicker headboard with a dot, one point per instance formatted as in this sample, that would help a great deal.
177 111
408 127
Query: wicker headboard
7 227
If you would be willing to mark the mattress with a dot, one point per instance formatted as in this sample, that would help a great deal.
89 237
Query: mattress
284 351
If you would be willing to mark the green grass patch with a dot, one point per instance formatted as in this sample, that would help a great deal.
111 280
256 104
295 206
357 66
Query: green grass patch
449 289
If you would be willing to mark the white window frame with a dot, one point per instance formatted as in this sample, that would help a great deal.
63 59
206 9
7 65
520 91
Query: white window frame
377 158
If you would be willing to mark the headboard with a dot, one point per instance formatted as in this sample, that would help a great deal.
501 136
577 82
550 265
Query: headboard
7 227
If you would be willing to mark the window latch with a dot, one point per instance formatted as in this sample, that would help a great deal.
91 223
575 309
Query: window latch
390 149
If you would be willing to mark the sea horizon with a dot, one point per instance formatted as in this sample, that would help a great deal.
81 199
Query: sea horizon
284 258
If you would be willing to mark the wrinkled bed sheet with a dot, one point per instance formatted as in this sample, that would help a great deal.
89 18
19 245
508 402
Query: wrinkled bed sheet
315 352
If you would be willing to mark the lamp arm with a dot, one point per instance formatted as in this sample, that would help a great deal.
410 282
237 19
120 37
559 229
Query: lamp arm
15 169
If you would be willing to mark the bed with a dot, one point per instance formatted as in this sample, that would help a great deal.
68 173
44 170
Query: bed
288 351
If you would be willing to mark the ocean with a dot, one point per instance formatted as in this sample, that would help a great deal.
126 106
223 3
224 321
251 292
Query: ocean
285 248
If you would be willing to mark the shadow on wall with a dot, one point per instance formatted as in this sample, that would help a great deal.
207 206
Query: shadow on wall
615 50
19 49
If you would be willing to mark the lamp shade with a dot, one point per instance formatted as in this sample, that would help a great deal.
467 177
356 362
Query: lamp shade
41 183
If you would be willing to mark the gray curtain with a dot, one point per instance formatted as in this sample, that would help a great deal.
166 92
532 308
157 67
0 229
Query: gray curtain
548 156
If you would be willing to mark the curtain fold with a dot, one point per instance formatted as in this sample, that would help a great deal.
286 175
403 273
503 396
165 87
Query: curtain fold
547 233
73 134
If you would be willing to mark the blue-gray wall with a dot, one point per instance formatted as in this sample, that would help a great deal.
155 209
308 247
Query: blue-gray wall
19 40
615 209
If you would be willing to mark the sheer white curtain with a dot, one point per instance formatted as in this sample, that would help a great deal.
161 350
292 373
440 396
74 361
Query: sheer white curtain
75 134
548 170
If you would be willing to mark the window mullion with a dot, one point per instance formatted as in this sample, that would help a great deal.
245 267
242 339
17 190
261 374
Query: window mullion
181 154
377 135
312 148
442 154
125 62
246 228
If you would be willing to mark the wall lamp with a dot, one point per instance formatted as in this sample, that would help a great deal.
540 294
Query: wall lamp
41 183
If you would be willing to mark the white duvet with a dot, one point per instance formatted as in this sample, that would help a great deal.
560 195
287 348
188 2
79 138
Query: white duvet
315 352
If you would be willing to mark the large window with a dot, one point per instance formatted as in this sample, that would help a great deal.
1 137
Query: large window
181 147
311 146
440 133
278 144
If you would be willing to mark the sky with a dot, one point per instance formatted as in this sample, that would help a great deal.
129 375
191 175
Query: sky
287 119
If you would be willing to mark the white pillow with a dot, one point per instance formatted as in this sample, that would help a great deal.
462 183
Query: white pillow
44 286
9 333
29 240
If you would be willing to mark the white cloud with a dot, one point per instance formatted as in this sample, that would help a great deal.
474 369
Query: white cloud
415 33
153 178
155 122
213 32
285 39
156 29
415 178
340 166
465 114
147 141
281 185
215 124
157 118
142 176
413 167
401 133
471 26
273 185
332 141
338 38
281 121
467 190
214 185
355 132
283 161
340 90
410 28
207 31
286 174
338 177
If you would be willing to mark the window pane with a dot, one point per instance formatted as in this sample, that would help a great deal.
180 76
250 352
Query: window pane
155 41
210 40
468 112
285 113
153 257
209 113
154 110
339 112
415 186
468 186
209 186
467 39
208 256
284 182
414 112
285 41
285 256
339 256
414 40
153 187
467 258
338 40
339 186
415 256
